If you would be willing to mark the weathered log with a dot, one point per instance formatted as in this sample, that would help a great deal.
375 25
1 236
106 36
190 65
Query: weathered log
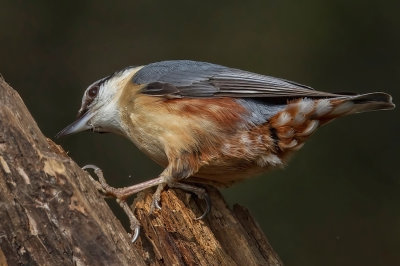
51 214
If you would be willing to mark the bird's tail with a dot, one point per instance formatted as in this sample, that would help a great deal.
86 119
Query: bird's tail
363 103
294 124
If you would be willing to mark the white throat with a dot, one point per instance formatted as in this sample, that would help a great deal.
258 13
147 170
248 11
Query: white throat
108 117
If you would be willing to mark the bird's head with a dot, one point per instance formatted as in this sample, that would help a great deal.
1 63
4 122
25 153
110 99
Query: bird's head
99 110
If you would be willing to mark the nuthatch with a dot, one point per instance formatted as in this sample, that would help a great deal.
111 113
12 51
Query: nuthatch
207 123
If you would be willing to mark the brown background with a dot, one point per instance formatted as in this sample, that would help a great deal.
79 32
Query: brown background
337 203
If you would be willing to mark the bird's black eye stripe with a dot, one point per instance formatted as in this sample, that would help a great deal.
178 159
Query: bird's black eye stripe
89 98
92 92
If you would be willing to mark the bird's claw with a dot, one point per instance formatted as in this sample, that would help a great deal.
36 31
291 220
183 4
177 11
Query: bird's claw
201 193
155 203
135 234
206 198
102 186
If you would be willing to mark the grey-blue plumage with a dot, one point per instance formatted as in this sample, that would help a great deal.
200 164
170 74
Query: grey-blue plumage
185 78
258 111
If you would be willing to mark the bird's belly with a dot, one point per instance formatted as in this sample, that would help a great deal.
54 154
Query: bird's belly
240 156
228 172
232 158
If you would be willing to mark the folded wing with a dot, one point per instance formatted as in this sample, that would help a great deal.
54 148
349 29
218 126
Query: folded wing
184 78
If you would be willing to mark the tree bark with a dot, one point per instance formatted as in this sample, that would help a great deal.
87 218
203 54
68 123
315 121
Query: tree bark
51 214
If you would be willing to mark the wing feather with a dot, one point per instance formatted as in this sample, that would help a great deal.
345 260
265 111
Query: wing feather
183 78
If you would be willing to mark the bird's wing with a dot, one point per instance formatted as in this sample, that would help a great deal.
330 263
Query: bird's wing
183 78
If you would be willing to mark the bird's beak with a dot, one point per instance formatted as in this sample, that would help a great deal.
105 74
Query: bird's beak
81 124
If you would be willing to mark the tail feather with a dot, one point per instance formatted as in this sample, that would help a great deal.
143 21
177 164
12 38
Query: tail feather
295 123
371 102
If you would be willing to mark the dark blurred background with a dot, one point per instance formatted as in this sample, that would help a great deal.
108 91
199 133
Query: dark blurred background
337 202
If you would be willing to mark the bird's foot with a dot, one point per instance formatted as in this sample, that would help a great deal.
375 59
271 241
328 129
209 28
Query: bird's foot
121 194
107 190
201 193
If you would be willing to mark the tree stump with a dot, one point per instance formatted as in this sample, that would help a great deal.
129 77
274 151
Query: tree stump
51 214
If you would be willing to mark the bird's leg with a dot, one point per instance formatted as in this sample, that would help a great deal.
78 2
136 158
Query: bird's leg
173 175
201 193
121 194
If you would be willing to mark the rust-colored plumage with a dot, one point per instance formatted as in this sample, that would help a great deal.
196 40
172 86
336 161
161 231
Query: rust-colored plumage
208 123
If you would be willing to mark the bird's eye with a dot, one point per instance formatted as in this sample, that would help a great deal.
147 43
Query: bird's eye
92 92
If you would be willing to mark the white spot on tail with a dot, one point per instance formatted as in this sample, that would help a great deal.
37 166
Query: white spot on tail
312 126
322 107
283 119
304 107
290 145
299 119
268 160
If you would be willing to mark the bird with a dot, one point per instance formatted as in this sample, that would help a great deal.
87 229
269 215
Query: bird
207 123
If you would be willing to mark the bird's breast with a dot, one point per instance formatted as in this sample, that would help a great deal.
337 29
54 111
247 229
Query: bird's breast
164 128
